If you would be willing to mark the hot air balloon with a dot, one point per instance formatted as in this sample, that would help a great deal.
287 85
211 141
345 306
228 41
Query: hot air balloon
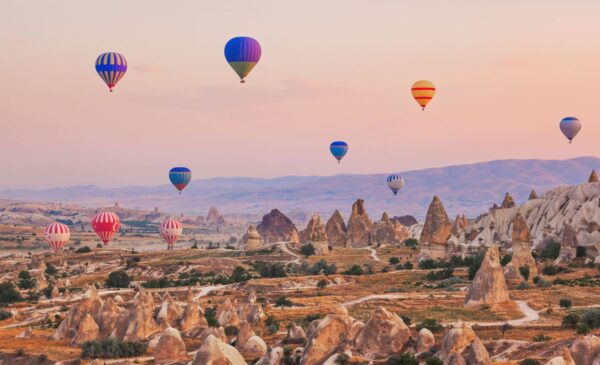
57 234
180 177
111 67
570 126
338 149
106 224
395 182
242 54
171 230
423 91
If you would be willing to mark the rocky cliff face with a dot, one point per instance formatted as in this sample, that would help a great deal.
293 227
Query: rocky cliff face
437 226
336 230
359 225
489 285
275 227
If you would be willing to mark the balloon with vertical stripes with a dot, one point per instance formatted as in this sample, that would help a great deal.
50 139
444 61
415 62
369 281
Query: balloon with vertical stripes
423 91
111 67
105 224
57 234
171 230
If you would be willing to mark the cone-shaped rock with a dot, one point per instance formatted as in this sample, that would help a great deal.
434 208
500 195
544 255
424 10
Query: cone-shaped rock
593 177
437 225
170 346
383 333
522 256
358 230
275 227
508 201
384 230
533 195
215 352
489 285
252 239
336 230
87 331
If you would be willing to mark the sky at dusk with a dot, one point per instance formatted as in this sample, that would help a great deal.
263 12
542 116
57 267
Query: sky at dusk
506 73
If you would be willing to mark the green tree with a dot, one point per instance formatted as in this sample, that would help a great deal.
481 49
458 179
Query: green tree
210 314
411 242
307 250
321 284
118 279
524 270
354 270
565 303
240 274
394 261
25 280
434 361
505 259
403 359
283 302
51 270
8 294
570 321
84 249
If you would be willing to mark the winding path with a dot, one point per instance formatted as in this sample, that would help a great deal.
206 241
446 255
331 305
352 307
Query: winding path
373 254
285 249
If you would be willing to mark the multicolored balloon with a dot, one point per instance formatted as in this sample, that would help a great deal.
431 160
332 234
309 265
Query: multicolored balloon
171 230
423 91
180 177
105 224
57 234
242 54
111 67
338 149
570 126
395 182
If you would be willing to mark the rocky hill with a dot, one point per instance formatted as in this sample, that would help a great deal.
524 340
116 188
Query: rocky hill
464 189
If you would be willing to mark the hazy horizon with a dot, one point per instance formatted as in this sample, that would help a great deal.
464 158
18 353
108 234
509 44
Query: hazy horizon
329 70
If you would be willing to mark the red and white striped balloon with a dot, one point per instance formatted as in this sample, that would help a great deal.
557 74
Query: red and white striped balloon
171 230
57 234
106 224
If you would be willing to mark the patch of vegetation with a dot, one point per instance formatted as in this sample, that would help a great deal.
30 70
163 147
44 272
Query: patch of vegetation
522 286
210 314
524 271
272 325
25 280
321 267
434 361
283 302
111 348
394 261
240 274
440 274
529 362
232 331
431 324
565 303
541 338
321 284
270 269
8 294
309 318
570 321
411 242
354 270
118 279
474 267
406 266
550 270
307 250
505 259
551 251
403 359
591 318
84 249
51 270
4 315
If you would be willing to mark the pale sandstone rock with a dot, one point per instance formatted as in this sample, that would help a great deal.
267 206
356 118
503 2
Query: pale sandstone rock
170 346
87 331
275 227
585 349
252 239
336 230
108 317
358 230
89 304
327 337
437 226
489 285
215 352
383 333
273 356
425 340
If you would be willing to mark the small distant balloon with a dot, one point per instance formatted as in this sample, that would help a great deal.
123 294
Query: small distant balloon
242 54
395 182
180 177
106 224
57 234
570 126
111 67
171 230
423 91
338 149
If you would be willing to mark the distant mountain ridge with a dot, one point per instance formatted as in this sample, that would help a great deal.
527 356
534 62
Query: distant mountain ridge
468 189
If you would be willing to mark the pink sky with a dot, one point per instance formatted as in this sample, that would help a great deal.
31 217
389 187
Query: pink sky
506 73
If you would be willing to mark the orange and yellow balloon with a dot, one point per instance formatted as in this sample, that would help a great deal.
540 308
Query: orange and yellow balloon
423 91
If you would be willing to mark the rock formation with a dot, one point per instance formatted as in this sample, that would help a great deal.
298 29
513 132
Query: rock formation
568 244
214 217
90 304
336 230
593 177
521 256
273 356
488 286
215 352
586 350
437 226
170 311
252 239
137 323
249 344
565 358
37 263
326 338
108 317
87 330
460 223
170 346
227 314
384 231
383 333
275 227
508 201
296 334
192 315
54 293
315 234
533 195
358 230
405 220
460 345
425 340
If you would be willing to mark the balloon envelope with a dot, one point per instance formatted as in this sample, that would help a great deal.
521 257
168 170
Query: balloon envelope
570 126
111 67
171 230
423 91
180 177
395 182
57 234
105 224
242 54
338 149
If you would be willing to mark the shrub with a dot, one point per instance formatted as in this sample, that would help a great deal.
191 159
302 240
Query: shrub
591 318
283 302
411 242
354 270
84 249
51 270
270 270
403 359
321 284
232 331
272 329
8 293
570 321
321 267
505 259
240 274
536 279
474 267
541 283
25 280
4 315
407 320
582 329
529 362
524 271
434 361
541 338
98 245
111 348
565 303
552 251
394 261
427 264
431 324
580 251
211 316
550 270
440 274
307 250
118 279
408 265
522 286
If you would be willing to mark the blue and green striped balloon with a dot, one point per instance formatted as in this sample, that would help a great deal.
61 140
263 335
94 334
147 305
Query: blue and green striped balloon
180 177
